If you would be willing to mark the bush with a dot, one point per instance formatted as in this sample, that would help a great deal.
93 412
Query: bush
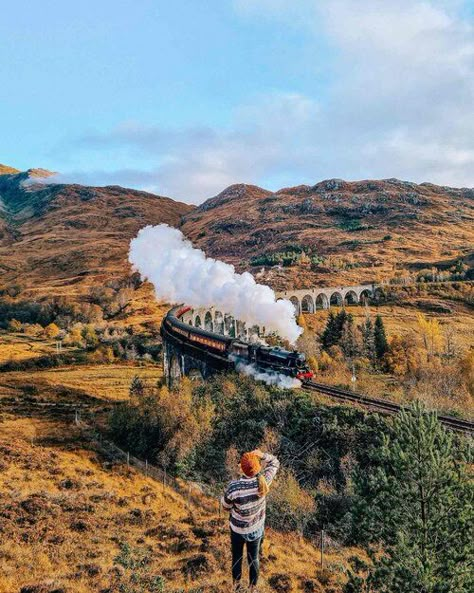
290 507
14 325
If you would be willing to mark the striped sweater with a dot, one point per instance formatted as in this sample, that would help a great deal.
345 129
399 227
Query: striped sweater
241 498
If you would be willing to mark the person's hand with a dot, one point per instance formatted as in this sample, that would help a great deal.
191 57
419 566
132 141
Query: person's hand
258 453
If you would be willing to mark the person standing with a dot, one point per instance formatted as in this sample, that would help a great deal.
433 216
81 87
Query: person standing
245 499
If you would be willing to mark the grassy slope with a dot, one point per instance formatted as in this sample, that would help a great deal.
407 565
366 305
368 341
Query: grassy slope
60 239
66 508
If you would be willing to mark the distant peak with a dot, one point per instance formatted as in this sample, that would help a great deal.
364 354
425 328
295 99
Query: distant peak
235 191
40 173
6 170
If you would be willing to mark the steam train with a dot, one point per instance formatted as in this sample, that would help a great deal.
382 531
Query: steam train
270 359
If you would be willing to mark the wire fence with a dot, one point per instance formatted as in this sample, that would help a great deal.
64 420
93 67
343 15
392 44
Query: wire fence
193 492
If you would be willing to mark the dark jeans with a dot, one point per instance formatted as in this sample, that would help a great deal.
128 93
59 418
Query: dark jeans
238 543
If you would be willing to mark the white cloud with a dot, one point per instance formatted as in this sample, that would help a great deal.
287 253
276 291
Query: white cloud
399 104
194 164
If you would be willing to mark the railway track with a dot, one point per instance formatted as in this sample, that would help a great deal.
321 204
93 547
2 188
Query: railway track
383 406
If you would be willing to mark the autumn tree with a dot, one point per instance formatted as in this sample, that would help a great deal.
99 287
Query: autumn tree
430 333
403 355
51 331
14 325
291 507
75 337
162 425
90 336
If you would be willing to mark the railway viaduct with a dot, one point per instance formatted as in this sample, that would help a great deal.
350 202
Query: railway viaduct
304 301
183 359
309 301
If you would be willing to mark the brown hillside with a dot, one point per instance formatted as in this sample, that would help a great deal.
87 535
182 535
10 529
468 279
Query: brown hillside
75 519
61 238
5 169
362 231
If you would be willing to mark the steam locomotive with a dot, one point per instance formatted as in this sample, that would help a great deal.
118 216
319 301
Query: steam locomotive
271 359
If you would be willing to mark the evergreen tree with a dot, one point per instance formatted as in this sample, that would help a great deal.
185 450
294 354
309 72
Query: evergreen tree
329 335
380 338
368 342
415 512
348 341
340 329
137 387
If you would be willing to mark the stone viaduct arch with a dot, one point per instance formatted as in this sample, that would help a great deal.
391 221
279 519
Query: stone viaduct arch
312 300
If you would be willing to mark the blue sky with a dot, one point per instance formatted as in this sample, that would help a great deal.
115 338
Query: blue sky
185 98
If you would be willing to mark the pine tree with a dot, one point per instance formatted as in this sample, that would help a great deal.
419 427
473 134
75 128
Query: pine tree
416 507
380 338
348 341
329 335
368 342
338 329
137 387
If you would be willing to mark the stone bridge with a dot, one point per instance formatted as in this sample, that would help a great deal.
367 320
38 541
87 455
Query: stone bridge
310 300
304 300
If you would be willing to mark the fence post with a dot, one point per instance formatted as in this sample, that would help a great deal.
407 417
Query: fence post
146 467
322 548
128 458
76 417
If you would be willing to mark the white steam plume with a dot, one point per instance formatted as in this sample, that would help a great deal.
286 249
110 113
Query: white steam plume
182 274
270 378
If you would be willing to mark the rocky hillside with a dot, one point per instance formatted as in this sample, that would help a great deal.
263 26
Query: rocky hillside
336 231
62 238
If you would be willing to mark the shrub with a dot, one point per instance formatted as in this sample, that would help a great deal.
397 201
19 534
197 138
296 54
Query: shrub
51 331
14 325
290 507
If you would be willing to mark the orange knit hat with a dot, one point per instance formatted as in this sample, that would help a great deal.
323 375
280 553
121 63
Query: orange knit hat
250 464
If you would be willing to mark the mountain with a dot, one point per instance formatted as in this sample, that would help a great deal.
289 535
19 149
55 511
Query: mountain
60 239
57 238
350 232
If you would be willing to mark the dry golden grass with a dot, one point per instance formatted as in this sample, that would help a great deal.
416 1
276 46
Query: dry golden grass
108 382
66 509
16 346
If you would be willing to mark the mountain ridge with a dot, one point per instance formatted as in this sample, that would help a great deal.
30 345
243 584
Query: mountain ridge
352 231
60 238
332 232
